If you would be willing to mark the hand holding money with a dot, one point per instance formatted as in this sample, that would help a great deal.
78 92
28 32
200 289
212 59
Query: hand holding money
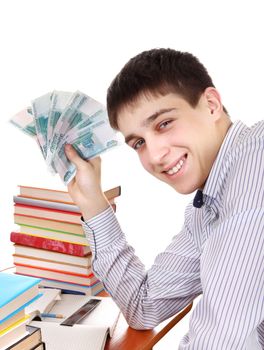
59 118
85 189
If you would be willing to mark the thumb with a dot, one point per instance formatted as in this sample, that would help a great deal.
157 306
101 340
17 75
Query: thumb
74 157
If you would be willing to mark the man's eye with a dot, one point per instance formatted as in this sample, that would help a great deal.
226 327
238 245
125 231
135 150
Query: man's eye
164 124
138 144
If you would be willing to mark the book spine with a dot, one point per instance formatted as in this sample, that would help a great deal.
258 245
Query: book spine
40 346
49 213
59 196
45 221
46 204
32 208
48 244
50 206
62 272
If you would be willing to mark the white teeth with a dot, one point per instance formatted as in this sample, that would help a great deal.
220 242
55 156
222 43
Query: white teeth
176 168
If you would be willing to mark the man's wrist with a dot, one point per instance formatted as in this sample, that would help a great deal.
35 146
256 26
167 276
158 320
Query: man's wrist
94 208
102 230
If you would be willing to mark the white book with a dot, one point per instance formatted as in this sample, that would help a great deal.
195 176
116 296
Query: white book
31 252
77 337
47 300
88 290
88 334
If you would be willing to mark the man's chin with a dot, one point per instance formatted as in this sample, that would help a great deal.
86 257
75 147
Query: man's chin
184 189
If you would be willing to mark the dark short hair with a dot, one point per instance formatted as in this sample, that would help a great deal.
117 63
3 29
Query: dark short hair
157 71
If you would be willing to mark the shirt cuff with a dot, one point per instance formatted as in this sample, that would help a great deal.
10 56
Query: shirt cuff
102 230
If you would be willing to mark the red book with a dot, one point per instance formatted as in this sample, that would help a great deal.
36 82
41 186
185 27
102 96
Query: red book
47 213
50 213
49 244
65 276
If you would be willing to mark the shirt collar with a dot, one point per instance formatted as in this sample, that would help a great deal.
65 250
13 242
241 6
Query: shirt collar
214 180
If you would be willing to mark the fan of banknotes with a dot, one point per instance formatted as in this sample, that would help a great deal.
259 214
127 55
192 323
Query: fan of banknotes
60 117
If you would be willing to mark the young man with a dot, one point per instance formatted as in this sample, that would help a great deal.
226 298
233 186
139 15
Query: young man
166 106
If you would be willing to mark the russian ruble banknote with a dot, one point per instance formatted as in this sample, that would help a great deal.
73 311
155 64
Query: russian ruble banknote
89 142
79 109
61 117
59 101
24 121
40 109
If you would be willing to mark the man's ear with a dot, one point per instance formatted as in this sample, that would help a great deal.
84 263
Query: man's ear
213 101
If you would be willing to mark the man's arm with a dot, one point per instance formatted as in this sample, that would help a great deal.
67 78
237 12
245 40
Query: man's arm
145 297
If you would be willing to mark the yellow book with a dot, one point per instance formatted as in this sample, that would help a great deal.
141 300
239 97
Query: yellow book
14 325
13 333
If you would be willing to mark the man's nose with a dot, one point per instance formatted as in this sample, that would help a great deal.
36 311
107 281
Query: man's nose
157 150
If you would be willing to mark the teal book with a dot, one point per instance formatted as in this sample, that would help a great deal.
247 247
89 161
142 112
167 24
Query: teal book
16 292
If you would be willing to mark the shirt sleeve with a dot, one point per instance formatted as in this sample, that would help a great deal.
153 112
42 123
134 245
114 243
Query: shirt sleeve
145 297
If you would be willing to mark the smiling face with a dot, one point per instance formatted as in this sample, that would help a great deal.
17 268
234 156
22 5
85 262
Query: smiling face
175 142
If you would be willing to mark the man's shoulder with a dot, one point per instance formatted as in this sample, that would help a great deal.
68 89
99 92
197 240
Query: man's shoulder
254 132
243 170
250 141
238 160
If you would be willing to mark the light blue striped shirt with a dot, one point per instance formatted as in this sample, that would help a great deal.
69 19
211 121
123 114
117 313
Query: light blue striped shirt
219 253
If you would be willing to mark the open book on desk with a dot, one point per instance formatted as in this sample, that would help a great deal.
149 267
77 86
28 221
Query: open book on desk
44 303
90 333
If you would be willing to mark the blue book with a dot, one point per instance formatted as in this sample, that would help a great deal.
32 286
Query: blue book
16 292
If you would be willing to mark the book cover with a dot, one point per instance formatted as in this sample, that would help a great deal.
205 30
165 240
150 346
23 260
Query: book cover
46 204
13 333
29 341
13 319
52 265
59 196
49 297
29 252
5 330
49 244
49 224
48 213
16 292
105 314
51 204
88 334
83 337
40 346
73 287
56 275
53 234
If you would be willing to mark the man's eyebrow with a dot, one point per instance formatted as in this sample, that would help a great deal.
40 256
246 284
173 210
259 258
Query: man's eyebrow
154 116
150 120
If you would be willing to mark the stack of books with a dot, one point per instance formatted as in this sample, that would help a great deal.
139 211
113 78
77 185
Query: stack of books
16 293
51 243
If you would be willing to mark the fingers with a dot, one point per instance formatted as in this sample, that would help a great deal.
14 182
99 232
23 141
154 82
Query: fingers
95 161
74 157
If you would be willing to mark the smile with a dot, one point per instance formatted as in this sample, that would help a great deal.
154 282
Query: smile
177 167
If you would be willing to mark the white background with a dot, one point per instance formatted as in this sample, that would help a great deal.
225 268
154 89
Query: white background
70 45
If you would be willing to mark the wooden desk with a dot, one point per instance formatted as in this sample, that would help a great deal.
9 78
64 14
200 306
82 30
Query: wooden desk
126 338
